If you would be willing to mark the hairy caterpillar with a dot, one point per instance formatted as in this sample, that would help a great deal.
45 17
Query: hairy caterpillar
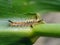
27 23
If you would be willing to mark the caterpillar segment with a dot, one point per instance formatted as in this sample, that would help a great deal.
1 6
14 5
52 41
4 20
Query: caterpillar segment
26 23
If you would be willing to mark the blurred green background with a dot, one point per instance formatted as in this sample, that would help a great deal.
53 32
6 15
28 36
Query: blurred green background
18 7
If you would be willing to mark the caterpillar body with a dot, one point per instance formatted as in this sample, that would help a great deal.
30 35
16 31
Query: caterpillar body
27 23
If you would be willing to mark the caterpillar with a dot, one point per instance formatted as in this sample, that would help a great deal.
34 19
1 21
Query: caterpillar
27 23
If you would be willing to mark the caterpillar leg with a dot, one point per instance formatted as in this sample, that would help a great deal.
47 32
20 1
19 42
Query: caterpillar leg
31 26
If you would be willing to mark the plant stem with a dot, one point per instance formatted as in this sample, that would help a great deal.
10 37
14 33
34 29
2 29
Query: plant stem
51 30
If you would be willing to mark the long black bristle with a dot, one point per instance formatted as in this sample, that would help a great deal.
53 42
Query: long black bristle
36 17
10 21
